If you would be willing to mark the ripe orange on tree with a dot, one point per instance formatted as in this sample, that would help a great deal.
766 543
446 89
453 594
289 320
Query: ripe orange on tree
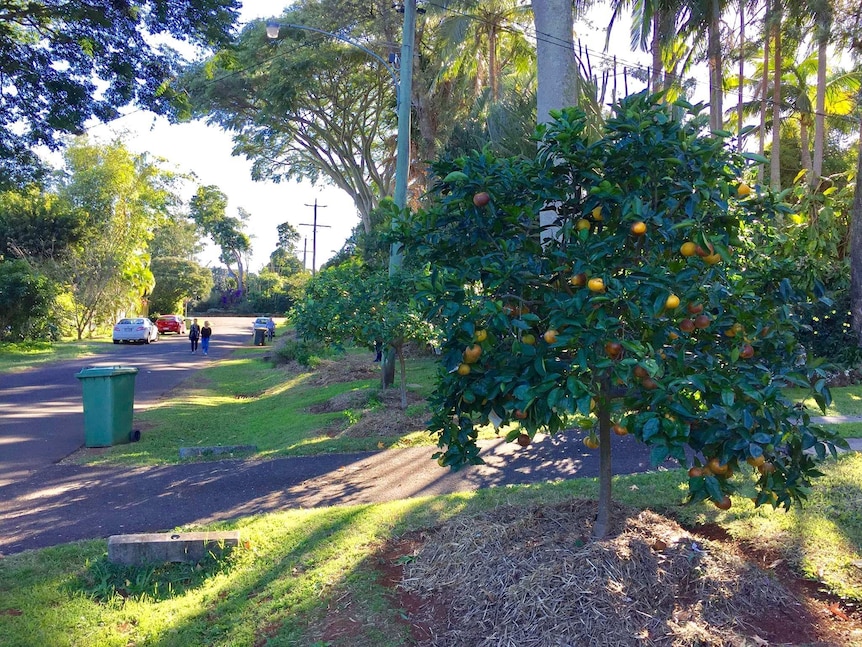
694 308
671 302
702 321
528 338
597 213
583 224
686 325
578 280
619 430
472 353
688 248
524 440
743 190
481 199
550 336
596 284
639 228
712 259
724 504
747 351
613 349
695 472
591 442
480 335
463 369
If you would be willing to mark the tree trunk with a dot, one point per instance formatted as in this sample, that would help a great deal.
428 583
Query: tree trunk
763 91
819 113
739 92
403 369
716 89
805 145
603 516
775 159
856 248
555 55
657 63
493 72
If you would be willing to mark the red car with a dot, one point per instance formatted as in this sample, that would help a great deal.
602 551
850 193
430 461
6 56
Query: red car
171 323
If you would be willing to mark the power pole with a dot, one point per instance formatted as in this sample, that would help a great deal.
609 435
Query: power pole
314 227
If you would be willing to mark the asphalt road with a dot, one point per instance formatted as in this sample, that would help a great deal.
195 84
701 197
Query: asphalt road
43 503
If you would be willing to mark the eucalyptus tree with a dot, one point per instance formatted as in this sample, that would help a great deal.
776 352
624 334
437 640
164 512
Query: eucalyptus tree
208 209
66 62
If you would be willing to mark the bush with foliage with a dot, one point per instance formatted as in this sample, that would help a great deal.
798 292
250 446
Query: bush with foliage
352 304
635 312
26 304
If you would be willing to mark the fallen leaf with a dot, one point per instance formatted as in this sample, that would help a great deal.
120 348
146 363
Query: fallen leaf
836 611
659 545
380 445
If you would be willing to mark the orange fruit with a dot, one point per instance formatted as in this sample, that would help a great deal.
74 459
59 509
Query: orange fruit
471 354
480 335
639 228
712 259
597 213
613 349
694 308
619 430
591 442
550 336
688 249
671 302
583 224
724 504
524 440
520 415
463 369
578 280
702 321
596 284
528 338
695 472
481 199
686 325
743 190
747 351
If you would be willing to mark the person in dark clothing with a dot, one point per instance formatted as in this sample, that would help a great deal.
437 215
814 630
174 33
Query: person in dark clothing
206 333
194 335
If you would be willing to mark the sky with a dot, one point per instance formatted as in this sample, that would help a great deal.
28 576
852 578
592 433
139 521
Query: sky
206 151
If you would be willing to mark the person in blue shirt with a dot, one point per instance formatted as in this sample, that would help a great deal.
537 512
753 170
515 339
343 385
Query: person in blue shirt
270 327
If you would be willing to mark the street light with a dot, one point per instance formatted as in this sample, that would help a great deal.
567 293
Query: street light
403 92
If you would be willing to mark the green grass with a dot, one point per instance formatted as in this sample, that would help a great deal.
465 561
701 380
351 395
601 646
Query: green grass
245 401
21 355
298 564
846 401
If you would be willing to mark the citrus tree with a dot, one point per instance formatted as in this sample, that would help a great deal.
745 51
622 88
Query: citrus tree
351 303
641 311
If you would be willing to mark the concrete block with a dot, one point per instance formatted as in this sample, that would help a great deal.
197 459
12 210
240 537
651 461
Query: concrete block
159 548
218 450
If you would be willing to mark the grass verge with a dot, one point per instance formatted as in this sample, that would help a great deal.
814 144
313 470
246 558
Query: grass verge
295 567
21 355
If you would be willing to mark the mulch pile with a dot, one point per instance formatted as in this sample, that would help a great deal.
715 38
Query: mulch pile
531 578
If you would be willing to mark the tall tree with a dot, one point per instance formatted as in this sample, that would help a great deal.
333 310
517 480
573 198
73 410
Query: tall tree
66 62
209 210
284 259
305 106
125 196
558 76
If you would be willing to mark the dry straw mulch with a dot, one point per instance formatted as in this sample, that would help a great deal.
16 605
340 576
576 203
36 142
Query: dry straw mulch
531 577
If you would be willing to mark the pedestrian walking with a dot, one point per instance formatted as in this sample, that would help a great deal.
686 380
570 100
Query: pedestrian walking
206 333
270 328
194 335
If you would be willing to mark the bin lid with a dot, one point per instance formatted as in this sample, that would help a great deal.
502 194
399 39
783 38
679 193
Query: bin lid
105 371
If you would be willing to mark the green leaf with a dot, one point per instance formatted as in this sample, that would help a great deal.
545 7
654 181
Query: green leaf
754 157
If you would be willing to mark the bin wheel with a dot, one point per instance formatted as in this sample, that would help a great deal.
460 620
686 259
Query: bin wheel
116 341
134 435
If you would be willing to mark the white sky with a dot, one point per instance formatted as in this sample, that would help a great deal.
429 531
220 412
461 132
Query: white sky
206 151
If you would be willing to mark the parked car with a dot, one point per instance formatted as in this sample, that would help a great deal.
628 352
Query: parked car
260 322
171 323
139 329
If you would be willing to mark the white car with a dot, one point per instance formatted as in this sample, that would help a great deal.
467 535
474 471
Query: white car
139 329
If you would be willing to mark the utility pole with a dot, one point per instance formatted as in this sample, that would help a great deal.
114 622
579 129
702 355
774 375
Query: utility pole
304 251
314 227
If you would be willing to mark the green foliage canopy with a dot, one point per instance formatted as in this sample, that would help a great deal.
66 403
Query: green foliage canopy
618 353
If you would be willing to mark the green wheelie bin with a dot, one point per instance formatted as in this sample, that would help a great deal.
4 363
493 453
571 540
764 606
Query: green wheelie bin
260 336
109 402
